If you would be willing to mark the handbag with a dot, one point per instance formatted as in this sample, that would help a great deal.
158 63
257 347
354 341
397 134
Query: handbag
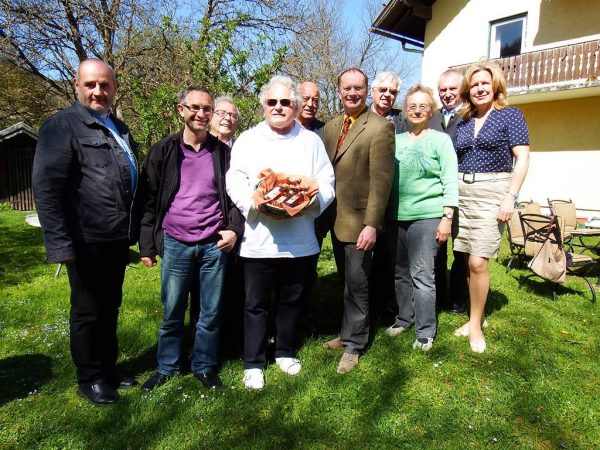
549 263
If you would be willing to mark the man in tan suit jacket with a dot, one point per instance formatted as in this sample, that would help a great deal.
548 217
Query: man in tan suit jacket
360 145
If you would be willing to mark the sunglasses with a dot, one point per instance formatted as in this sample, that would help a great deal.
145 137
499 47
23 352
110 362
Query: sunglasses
283 102
383 90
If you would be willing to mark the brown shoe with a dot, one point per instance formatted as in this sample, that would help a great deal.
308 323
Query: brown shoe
347 363
334 344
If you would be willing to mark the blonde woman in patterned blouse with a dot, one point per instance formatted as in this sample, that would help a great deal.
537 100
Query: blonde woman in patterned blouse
492 146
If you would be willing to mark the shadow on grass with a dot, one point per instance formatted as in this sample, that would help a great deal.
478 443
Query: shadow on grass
544 288
21 375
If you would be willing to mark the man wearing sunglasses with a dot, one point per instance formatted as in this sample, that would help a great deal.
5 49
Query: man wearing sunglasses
384 93
276 251
360 145
188 220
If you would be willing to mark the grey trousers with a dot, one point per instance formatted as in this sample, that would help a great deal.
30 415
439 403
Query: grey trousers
413 249
354 266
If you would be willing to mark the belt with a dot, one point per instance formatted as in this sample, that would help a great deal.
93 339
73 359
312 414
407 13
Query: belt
471 178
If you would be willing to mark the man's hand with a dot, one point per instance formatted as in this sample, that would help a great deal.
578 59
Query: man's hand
227 241
148 261
366 239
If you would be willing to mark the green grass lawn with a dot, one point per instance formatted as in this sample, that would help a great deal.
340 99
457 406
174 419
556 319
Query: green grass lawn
536 386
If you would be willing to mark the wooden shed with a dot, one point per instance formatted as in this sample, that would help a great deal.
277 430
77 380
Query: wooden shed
17 147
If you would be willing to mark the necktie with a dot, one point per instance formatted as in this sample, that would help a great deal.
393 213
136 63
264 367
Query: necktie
343 133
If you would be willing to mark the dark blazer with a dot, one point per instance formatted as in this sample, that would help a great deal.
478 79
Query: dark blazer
159 183
364 170
317 126
398 119
437 123
82 182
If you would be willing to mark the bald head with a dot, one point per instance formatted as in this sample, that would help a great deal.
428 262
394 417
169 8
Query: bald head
309 93
95 85
448 87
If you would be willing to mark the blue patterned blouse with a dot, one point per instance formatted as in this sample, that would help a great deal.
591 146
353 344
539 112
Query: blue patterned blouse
490 151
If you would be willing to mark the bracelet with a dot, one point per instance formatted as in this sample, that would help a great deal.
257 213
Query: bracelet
512 195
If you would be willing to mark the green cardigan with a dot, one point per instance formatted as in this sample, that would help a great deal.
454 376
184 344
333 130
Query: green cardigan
426 177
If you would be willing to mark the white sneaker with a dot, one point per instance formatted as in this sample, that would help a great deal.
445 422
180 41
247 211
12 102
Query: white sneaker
395 330
254 379
291 366
424 344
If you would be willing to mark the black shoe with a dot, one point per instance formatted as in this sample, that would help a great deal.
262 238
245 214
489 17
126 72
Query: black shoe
156 380
457 309
99 394
210 380
122 382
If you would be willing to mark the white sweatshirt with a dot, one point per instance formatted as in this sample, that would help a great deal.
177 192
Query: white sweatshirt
299 152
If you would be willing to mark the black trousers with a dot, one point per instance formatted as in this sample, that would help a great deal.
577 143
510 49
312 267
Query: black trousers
458 291
355 265
96 279
264 276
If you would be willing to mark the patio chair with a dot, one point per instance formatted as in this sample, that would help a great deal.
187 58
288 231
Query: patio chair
516 240
566 209
536 229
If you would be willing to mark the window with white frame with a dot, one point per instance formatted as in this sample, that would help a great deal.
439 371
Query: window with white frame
507 36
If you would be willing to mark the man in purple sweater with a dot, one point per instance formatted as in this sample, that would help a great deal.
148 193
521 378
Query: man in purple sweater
190 222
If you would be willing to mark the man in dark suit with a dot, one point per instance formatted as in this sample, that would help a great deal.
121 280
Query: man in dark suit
360 145
454 299
85 175
384 92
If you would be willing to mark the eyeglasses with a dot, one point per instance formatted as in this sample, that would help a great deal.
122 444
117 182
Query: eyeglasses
272 102
222 113
357 89
383 90
421 108
197 108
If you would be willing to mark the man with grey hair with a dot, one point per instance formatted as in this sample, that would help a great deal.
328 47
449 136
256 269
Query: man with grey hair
84 178
384 92
189 221
276 252
225 120
307 117
446 119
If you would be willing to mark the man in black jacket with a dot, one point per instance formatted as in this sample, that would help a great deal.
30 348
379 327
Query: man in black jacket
189 221
84 178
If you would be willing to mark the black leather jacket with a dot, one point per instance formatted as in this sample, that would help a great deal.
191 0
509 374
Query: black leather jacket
159 183
82 183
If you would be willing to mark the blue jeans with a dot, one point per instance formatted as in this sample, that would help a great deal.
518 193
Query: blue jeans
180 264
413 250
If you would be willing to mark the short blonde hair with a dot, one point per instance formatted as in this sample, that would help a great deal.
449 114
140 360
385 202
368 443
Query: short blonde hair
498 87
424 89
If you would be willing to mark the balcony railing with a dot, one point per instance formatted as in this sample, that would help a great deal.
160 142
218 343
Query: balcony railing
561 65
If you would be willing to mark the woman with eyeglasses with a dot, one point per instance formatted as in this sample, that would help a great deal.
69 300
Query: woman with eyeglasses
492 145
276 252
420 210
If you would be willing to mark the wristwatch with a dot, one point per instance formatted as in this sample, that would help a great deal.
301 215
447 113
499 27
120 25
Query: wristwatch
449 215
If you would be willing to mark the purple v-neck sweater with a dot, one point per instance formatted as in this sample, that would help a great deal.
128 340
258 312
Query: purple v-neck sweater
194 214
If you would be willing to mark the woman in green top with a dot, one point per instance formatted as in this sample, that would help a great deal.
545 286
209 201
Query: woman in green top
422 203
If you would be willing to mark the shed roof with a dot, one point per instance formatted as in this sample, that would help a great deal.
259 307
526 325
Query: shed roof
16 129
